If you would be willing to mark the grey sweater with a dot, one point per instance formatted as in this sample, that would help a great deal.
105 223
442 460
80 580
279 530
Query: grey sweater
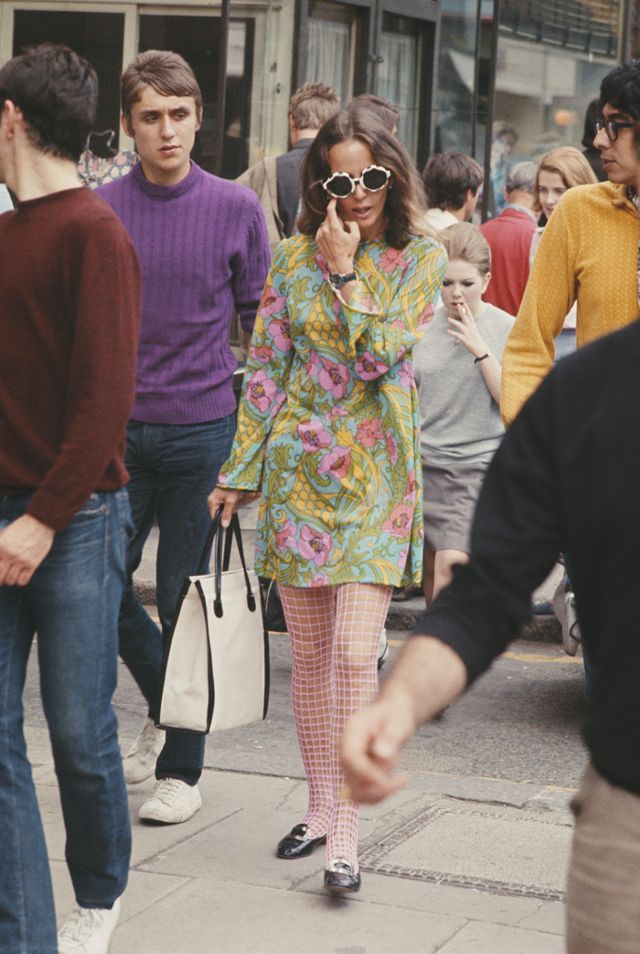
459 420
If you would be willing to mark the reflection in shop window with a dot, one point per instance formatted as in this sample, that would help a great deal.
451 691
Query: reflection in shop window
546 106
456 76
568 47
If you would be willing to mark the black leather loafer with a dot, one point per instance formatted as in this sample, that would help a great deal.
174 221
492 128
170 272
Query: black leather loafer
340 879
297 845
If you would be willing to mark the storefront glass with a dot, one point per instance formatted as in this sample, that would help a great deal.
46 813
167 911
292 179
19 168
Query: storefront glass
551 59
454 101
399 73
330 43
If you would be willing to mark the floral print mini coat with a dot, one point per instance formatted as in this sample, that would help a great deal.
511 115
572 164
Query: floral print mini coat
328 421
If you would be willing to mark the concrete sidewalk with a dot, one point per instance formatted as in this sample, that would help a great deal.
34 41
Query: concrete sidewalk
454 864
451 866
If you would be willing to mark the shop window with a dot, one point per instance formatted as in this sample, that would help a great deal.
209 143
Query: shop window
454 105
96 36
398 74
568 47
544 108
330 47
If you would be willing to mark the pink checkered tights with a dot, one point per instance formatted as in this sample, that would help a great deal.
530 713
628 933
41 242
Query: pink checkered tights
334 632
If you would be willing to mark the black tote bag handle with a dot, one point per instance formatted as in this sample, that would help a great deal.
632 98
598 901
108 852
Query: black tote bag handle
221 541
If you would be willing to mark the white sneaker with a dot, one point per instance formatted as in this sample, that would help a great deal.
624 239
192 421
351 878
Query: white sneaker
139 763
172 802
383 649
88 930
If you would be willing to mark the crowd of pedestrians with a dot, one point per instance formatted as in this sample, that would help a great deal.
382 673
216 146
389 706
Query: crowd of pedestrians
390 340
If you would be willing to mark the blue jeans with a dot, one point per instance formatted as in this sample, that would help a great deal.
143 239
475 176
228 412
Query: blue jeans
173 469
72 603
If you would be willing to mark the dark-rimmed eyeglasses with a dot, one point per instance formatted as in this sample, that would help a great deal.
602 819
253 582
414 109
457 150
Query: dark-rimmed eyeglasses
339 185
611 127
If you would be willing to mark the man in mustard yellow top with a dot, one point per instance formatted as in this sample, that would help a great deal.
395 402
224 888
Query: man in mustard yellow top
588 252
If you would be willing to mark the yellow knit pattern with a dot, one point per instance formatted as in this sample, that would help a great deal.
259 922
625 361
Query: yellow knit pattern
589 254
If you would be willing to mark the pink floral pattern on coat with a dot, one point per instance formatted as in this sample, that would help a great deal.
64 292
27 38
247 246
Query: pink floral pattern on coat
328 426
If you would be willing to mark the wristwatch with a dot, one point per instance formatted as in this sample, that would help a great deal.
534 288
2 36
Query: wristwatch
336 280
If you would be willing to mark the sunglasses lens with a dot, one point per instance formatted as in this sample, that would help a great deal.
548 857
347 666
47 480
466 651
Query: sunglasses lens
339 186
374 179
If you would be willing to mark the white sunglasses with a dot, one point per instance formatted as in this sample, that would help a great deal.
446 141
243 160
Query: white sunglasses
339 185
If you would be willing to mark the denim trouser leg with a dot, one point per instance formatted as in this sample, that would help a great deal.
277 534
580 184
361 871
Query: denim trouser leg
72 602
173 469
27 916
140 638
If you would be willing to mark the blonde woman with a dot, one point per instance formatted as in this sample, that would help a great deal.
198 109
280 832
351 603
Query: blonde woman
458 373
559 170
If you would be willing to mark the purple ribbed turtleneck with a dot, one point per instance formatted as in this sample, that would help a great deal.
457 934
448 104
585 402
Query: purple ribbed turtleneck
204 253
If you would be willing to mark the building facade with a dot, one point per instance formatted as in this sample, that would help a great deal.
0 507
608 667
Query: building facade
498 79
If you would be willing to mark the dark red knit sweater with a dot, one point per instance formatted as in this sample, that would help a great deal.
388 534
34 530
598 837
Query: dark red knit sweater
69 324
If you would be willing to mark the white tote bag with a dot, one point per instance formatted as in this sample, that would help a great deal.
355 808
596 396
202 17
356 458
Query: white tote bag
216 665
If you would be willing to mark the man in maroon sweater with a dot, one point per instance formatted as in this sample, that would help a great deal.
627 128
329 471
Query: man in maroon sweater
69 308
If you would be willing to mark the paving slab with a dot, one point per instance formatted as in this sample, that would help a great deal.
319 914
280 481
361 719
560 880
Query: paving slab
478 938
214 884
496 848
476 788
225 918
144 892
549 917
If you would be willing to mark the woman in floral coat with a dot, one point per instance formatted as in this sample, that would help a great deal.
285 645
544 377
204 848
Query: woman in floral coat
328 434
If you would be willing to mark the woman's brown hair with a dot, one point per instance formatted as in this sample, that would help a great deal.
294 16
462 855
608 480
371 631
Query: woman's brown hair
404 207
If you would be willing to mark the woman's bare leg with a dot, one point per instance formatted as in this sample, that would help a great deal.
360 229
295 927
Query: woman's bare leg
443 567
428 570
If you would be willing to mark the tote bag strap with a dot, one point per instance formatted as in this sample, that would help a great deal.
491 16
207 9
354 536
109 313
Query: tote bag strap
222 556
232 531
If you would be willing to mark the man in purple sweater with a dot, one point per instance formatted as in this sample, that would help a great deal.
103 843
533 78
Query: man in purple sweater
204 252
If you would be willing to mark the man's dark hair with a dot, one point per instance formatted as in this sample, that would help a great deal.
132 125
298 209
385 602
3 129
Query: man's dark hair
404 206
621 88
591 117
447 178
57 93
